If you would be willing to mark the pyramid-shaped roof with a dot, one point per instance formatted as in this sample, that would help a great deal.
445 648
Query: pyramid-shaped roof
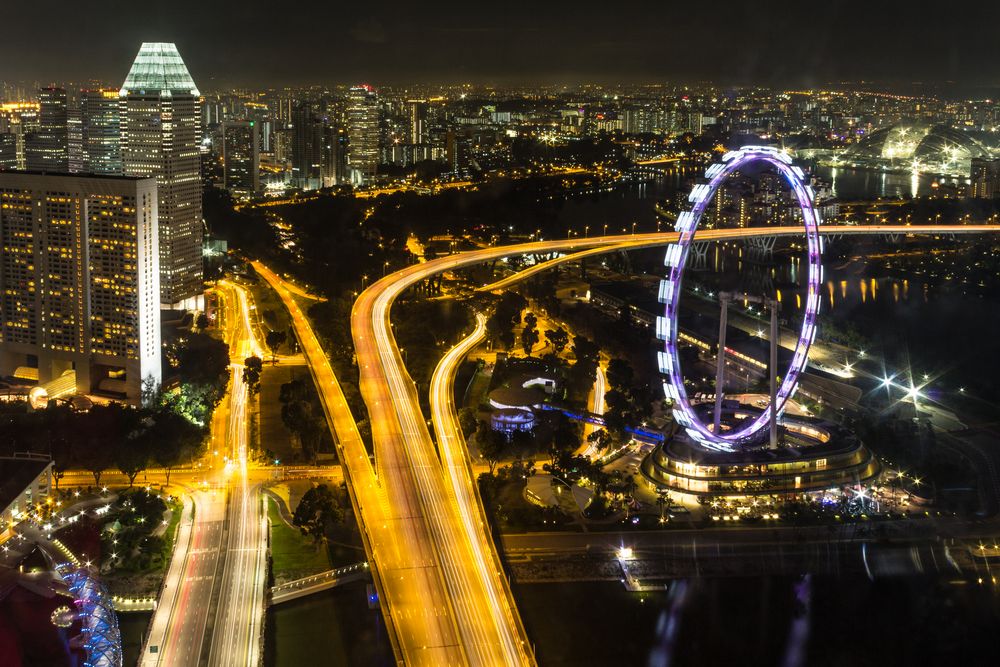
158 67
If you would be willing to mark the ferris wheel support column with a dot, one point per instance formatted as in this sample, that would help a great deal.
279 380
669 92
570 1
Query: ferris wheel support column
774 372
720 357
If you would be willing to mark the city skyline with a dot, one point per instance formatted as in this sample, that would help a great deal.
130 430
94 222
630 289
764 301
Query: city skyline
766 43
446 373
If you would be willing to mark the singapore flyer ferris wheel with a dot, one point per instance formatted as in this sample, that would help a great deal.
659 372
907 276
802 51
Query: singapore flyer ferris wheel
752 430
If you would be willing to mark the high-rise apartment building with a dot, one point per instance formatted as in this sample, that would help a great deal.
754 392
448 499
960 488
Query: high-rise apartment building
19 119
984 178
76 162
79 281
8 151
160 136
307 147
101 129
418 121
334 167
363 132
241 158
46 148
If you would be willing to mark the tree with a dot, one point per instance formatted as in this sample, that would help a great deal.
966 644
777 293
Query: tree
274 340
468 421
101 431
584 370
500 324
566 434
300 419
252 369
492 445
557 338
529 338
317 512
133 452
620 375
600 439
617 413
174 439
201 322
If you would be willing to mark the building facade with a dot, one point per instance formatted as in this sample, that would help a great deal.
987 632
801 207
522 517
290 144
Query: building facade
160 137
101 129
984 178
307 147
241 158
79 280
47 148
363 132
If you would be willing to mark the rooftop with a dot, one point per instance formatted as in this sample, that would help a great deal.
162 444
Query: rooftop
17 474
159 68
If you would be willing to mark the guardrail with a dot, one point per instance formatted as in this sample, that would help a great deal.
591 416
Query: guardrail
315 583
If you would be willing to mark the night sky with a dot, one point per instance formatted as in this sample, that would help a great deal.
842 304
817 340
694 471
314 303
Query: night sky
493 41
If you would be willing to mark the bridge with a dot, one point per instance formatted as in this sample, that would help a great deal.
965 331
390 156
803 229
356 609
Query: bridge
316 583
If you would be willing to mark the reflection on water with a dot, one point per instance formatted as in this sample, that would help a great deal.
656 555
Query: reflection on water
776 620
845 287
849 184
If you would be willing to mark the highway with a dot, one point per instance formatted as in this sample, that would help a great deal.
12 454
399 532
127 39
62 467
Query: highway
212 562
408 465
460 475
451 606
237 631
411 591
399 429
181 618
584 248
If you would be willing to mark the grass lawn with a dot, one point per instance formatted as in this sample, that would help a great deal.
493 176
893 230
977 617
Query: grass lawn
269 307
293 554
274 435
170 534
477 391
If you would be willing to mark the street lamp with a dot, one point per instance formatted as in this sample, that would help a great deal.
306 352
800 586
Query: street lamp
385 265
633 229
605 229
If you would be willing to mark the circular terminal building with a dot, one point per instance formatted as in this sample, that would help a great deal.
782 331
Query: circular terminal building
814 455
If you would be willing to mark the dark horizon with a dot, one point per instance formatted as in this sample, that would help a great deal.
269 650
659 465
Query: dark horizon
773 42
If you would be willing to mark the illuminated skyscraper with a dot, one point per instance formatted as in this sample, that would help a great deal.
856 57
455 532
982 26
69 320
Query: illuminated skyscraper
8 151
418 121
307 147
160 135
241 158
363 132
79 281
46 149
984 178
76 162
100 120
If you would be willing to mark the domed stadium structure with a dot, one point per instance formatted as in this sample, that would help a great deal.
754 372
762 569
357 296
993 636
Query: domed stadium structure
918 147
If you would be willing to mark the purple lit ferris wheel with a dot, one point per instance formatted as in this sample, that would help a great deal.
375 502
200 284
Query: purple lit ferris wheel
670 296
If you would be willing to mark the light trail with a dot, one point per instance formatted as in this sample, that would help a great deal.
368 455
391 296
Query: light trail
237 633
400 433
459 473
583 248
399 430
237 563
443 611
415 606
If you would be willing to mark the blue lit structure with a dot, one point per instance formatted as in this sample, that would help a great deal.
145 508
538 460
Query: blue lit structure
101 637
